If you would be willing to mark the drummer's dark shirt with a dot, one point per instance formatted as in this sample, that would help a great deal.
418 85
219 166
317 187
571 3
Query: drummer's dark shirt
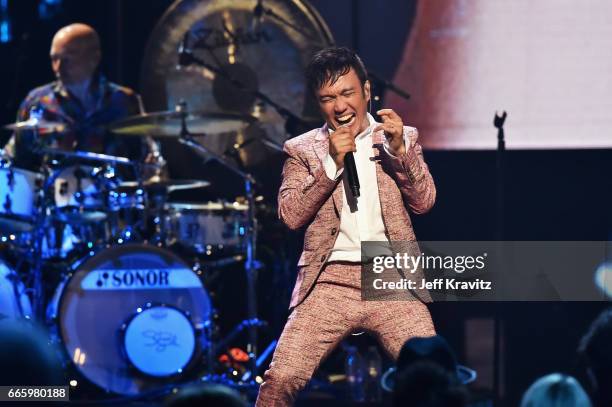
87 131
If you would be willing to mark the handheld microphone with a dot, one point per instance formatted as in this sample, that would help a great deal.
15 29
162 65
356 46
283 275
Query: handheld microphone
351 172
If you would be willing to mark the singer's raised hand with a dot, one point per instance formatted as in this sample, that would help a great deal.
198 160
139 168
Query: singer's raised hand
341 142
394 130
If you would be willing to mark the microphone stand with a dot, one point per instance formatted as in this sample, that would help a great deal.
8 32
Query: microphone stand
251 264
385 84
498 322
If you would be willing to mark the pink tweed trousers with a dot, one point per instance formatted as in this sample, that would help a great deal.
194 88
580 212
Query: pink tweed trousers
332 311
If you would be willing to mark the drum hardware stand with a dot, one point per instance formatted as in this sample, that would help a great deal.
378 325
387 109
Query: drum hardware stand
135 230
13 277
38 296
251 264
131 230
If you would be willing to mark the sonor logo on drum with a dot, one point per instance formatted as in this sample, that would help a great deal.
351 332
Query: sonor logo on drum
146 278
130 278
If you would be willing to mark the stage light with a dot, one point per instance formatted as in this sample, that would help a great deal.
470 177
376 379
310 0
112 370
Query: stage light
47 9
5 31
5 23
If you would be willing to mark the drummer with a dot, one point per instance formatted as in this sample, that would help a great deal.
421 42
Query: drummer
84 100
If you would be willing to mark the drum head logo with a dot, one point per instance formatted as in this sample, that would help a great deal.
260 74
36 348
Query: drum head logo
143 278
160 341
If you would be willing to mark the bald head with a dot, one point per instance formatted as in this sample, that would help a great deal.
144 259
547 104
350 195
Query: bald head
75 53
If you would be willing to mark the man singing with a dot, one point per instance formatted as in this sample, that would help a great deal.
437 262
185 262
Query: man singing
326 303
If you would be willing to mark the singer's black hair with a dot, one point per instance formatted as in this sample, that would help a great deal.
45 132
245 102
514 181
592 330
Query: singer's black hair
328 64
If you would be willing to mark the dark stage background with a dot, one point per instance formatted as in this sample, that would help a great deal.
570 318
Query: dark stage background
549 194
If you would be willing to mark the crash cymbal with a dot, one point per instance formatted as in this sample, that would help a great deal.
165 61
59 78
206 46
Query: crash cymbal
169 123
266 54
86 156
39 125
168 185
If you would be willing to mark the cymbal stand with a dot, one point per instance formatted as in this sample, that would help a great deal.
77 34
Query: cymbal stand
251 264
38 296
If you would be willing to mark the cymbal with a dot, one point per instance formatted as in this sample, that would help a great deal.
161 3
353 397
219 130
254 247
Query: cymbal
39 125
168 185
268 57
209 206
169 123
87 156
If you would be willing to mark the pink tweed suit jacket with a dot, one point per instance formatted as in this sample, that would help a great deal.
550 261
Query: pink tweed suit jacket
308 198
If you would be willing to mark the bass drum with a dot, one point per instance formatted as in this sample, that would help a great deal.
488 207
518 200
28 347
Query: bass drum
131 318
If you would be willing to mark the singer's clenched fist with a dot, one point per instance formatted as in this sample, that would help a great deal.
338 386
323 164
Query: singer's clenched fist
394 130
341 142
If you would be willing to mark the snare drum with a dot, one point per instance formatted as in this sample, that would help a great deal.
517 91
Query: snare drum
18 193
131 317
213 229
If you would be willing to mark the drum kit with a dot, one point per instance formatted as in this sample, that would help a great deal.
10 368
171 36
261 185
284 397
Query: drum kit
118 244
96 248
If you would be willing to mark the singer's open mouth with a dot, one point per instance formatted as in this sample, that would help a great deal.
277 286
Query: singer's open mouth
346 119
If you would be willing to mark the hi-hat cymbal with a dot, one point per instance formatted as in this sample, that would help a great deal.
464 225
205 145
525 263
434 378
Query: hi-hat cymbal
168 185
86 156
39 125
169 123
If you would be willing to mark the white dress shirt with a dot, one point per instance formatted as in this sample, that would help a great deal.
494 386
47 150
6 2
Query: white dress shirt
361 217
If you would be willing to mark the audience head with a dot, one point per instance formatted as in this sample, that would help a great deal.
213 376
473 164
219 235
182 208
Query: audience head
206 395
26 356
556 390
427 384
433 349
